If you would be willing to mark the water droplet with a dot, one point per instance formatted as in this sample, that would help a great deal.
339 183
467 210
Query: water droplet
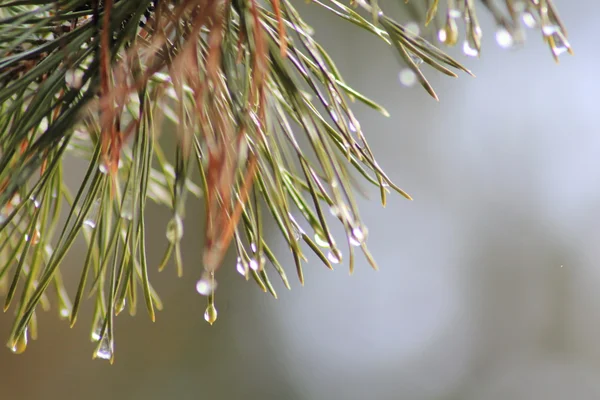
469 50
210 315
412 28
127 204
549 30
416 59
21 344
97 332
529 20
320 241
105 349
206 285
560 44
442 36
358 235
64 312
74 78
103 169
335 211
504 38
334 256
254 264
240 267
407 77
175 229
334 116
35 239
253 247
90 219
36 203
454 13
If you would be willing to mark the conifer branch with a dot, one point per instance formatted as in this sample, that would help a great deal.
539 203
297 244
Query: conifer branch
102 80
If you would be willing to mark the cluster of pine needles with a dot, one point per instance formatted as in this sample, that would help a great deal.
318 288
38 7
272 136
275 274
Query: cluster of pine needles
261 119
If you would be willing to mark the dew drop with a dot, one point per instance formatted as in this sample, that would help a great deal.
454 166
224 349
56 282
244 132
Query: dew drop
127 204
454 13
97 332
504 38
206 285
529 20
412 28
468 50
254 264
103 168
334 116
407 77
64 312
320 241
175 229
358 235
210 315
90 219
240 267
105 349
560 44
74 78
253 247
549 30
36 203
334 256
416 59
21 344
442 35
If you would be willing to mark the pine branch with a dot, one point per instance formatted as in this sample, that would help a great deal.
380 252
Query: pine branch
101 79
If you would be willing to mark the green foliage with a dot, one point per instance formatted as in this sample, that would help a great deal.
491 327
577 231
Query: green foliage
241 81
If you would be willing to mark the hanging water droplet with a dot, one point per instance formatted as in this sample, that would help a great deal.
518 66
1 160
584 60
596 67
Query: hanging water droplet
21 344
206 285
334 256
210 315
504 38
469 50
412 28
442 35
103 168
127 204
74 78
254 264
334 116
253 247
335 211
97 332
560 44
320 241
416 59
407 77
240 267
358 235
529 20
454 13
36 203
549 30
35 238
105 349
64 312
175 229
90 219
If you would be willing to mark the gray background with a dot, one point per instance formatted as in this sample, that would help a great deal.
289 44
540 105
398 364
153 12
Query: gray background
489 279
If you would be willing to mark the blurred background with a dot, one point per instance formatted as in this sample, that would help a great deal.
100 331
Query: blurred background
489 281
